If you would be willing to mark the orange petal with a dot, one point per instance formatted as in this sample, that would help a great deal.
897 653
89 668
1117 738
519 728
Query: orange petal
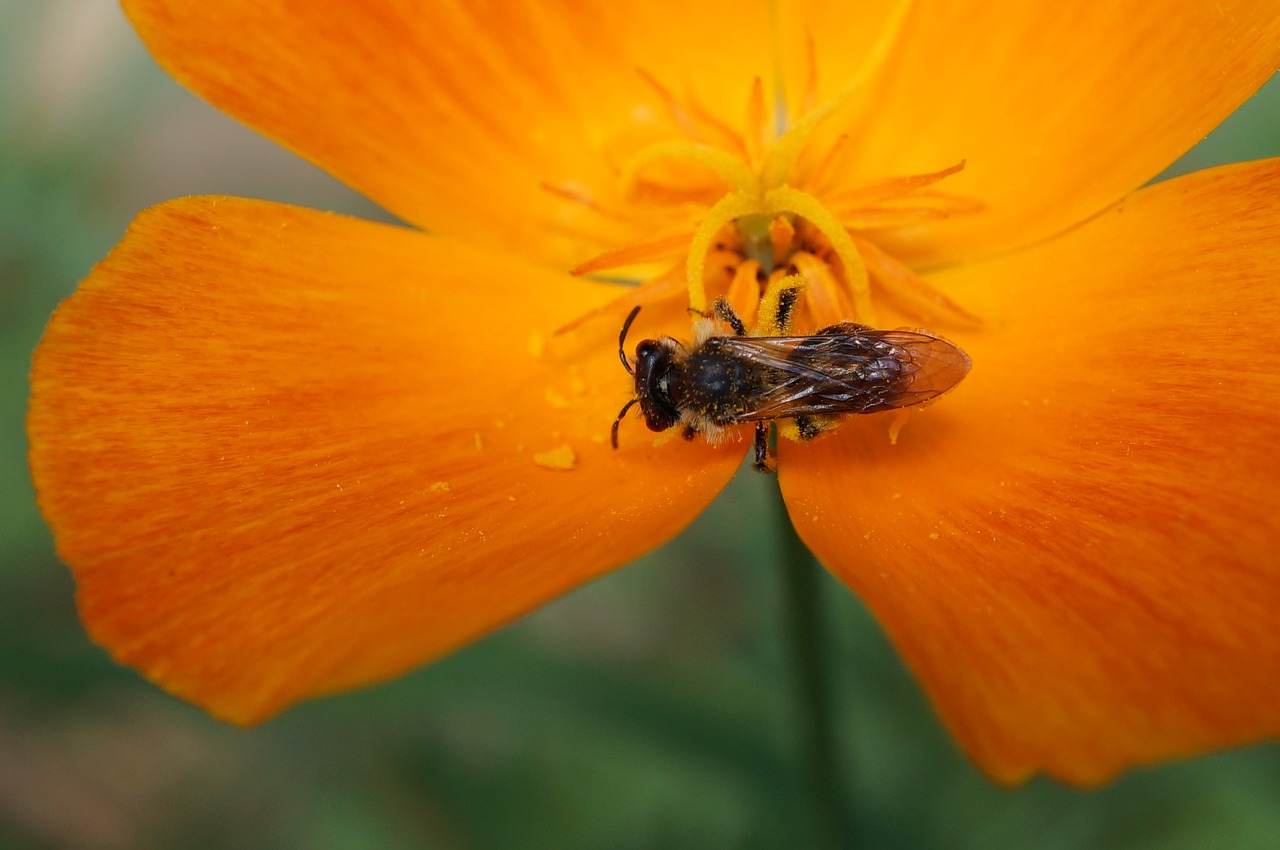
287 453
822 46
1078 550
455 115
1059 108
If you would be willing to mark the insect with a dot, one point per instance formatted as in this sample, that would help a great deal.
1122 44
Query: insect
808 383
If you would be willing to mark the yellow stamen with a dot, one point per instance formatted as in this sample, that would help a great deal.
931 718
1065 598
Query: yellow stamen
785 199
729 208
730 169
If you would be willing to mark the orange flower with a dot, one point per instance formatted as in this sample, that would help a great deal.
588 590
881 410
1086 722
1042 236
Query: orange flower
288 453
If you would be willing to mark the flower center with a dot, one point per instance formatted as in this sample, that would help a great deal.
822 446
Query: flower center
767 212
755 201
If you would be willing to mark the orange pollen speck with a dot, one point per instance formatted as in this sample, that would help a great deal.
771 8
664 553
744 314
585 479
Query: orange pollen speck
559 458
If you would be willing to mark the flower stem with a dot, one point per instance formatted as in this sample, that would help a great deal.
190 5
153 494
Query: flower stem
807 648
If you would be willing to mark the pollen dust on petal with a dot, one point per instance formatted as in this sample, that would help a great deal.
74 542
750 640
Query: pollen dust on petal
561 457
556 400
900 418
439 487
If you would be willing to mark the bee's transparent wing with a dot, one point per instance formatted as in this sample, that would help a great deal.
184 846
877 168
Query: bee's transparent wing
846 368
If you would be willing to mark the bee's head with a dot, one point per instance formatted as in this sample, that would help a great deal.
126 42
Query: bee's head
652 371
653 382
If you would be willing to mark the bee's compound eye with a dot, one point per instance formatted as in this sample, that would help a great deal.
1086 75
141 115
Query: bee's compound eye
647 349
651 357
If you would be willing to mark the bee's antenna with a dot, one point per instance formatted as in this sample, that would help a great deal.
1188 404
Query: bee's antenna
613 434
626 364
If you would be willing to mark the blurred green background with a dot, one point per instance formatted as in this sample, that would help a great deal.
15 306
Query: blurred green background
651 709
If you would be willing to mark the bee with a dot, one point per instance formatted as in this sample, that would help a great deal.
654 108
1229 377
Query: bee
806 383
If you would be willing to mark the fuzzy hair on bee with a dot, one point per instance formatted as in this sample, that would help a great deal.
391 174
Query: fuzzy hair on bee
806 384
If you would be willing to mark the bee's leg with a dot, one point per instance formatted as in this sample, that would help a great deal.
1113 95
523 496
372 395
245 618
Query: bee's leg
805 427
778 306
689 431
723 311
763 462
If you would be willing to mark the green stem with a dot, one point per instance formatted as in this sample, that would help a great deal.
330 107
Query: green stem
807 647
